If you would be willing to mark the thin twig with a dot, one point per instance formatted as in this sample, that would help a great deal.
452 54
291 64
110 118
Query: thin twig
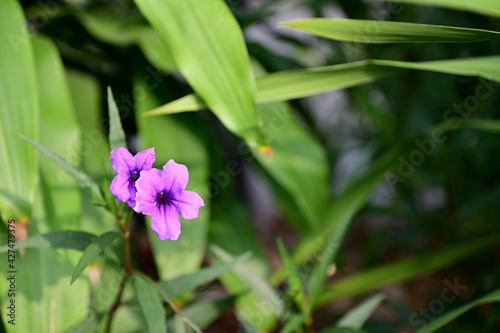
116 304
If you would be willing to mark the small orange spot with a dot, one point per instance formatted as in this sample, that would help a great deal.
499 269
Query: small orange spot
267 150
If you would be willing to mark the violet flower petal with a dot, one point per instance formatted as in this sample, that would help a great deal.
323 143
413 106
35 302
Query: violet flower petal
148 186
175 176
120 187
188 204
165 222
144 159
122 161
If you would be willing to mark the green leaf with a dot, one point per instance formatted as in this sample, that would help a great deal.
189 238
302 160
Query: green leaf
19 113
341 330
223 77
185 283
484 67
89 325
92 251
293 324
185 139
201 313
357 316
76 240
238 238
94 157
116 134
255 282
82 179
405 270
122 31
449 316
367 31
486 7
319 275
151 304
293 84
293 278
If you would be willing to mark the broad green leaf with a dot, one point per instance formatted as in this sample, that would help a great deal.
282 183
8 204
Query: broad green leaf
151 304
405 269
449 316
486 7
293 84
296 153
92 251
268 297
76 240
292 276
185 283
116 134
223 76
357 316
82 179
94 153
45 298
485 67
201 313
367 31
237 238
19 113
121 31
181 139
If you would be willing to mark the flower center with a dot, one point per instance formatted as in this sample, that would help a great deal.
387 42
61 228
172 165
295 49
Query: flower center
134 175
163 198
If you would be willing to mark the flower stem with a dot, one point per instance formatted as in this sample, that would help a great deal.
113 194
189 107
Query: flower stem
116 304
127 266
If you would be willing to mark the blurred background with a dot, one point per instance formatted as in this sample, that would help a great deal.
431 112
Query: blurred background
449 198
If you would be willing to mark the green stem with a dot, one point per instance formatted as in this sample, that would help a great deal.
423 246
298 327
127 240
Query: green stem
116 304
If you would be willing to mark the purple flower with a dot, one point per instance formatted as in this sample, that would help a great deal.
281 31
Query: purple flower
163 195
129 169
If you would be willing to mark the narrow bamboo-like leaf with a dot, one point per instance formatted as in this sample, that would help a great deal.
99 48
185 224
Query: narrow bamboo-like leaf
272 298
151 304
319 275
82 179
449 316
19 113
76 240
223 77
293 324
293 278
293 84
92 251
486 7
357 316
485 125
367 31
201 313
485 67
116 134
185 283
237 238
405 269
